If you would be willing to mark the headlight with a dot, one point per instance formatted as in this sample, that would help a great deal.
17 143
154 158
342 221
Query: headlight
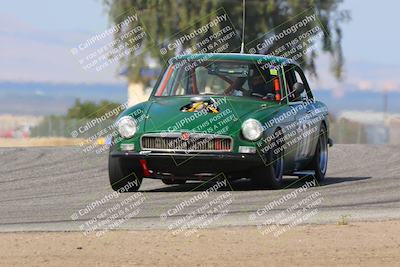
252 129
126 127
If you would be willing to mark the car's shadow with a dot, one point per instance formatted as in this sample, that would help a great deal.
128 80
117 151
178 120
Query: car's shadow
247 185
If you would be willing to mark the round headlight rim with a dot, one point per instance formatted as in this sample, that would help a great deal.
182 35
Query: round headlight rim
120 120
251 120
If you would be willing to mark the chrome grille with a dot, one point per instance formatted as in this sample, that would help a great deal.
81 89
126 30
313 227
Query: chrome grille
195 142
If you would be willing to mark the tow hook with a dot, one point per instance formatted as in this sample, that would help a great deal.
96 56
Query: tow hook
146 171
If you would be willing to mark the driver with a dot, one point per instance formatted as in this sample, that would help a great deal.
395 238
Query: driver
260 84
235 88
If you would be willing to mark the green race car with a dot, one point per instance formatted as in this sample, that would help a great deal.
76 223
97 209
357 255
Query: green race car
222 115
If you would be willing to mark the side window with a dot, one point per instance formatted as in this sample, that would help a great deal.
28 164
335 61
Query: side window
294 74
263 83
303 95
290 78
302 78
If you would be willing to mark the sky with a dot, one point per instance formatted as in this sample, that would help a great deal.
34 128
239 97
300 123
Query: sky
36 38
370 46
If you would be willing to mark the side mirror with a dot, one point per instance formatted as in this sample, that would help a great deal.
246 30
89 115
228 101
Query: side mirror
298 89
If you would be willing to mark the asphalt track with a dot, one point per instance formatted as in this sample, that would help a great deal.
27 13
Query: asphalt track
48 189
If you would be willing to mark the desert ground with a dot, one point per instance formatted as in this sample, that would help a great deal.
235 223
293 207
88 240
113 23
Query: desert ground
342 244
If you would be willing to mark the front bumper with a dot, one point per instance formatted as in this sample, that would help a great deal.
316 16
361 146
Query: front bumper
191 164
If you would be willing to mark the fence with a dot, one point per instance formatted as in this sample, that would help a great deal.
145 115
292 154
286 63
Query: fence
341 131
62 127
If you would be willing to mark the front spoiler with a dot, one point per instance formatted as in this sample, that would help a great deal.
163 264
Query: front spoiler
182 164
216 156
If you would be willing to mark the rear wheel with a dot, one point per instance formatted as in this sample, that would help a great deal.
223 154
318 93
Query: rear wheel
319 163
271 175
123 177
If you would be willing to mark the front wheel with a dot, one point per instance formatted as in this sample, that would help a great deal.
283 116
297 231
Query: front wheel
271 175
123 178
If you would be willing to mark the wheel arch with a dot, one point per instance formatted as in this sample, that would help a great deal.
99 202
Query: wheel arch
326 124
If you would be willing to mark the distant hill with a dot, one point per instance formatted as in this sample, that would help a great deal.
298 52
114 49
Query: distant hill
359 100
55 98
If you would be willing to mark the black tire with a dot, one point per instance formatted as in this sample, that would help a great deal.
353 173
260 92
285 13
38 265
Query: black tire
170 181
123 178
271 174
319 163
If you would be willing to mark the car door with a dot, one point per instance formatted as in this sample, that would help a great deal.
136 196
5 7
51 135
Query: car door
300 145
312 115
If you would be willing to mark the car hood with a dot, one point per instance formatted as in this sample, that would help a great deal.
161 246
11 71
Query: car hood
165 113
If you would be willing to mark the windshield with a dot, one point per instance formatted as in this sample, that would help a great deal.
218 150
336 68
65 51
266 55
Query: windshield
219 78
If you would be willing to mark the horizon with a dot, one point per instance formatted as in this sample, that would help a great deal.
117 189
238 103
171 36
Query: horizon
34 96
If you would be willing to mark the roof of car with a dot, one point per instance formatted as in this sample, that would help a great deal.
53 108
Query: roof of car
236 56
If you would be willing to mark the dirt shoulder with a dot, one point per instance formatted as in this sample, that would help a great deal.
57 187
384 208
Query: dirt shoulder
366 244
